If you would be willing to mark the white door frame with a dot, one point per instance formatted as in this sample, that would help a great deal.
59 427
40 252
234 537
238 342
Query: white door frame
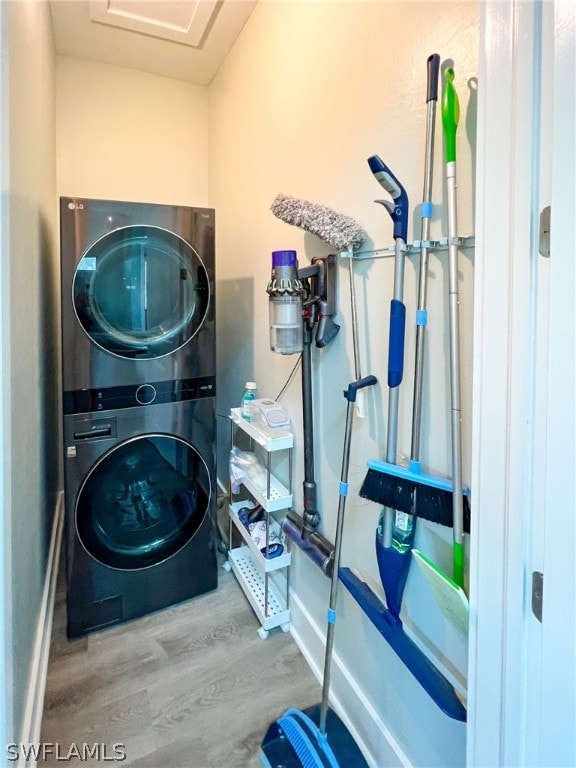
518 464
557 721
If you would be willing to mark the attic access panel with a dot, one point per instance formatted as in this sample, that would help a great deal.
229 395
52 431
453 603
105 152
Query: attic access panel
184 22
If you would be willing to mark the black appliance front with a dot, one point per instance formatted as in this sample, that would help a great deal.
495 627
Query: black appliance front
140 510
137 293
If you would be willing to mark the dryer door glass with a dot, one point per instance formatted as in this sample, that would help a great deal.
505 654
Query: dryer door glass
140 292
143 502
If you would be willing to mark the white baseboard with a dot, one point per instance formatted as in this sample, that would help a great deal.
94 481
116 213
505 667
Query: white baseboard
368 730
37 684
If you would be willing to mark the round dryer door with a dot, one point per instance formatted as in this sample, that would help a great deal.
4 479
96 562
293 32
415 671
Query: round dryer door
140 292
142 502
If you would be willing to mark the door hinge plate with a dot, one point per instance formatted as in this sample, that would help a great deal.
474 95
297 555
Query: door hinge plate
544 237
537 594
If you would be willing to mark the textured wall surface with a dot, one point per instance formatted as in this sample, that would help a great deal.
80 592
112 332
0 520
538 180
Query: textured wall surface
30 311
308 93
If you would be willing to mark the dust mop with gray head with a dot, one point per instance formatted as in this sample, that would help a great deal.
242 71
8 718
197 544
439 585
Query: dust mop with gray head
339 231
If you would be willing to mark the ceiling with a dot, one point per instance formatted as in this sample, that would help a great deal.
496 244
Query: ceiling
185 39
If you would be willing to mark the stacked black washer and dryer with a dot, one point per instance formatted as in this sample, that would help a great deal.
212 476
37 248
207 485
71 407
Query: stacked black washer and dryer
139 386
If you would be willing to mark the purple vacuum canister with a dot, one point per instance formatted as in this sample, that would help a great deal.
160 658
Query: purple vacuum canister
285 290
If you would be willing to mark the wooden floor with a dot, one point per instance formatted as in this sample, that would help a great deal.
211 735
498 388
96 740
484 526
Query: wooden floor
192 686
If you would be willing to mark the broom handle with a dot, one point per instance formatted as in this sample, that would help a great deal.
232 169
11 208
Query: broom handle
450 118
433 63
456 411
395 350
395 371
351 394
360 409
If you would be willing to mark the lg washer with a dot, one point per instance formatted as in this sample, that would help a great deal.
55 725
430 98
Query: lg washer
139 510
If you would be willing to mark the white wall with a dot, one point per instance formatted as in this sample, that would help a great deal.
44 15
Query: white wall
29 418
127 135
309 91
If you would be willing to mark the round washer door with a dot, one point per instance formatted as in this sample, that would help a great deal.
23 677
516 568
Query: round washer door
142 502
140 292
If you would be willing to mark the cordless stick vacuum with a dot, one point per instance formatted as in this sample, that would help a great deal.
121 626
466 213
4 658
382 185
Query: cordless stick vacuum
302 310
300 300
316 737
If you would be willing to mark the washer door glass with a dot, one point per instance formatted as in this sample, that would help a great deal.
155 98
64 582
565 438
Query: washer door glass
143 502
140 292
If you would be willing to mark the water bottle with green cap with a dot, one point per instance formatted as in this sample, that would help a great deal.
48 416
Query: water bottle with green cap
250 394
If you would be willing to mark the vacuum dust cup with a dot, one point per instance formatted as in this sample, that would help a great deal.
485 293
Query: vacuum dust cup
285 291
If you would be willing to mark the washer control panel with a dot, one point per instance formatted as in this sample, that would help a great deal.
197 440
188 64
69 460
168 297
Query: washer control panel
134 396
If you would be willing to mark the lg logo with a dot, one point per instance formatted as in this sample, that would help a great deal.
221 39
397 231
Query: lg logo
77 206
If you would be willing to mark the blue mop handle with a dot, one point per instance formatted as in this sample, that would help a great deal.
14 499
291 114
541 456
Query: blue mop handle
399 209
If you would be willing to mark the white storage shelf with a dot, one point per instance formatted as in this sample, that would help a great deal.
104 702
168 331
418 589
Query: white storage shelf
265 564
249 565
270 439
279 497
270 608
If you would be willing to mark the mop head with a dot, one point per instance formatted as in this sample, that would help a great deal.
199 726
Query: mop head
341 232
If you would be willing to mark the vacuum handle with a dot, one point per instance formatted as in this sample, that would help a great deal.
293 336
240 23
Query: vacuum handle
396 343
433 63
352 391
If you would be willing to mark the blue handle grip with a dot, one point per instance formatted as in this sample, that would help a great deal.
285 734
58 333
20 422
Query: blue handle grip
398 211
396 343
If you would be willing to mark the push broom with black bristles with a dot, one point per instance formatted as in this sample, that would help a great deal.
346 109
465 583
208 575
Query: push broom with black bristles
409 489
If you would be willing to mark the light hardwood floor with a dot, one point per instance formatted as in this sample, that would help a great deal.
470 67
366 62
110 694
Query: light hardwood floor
192 686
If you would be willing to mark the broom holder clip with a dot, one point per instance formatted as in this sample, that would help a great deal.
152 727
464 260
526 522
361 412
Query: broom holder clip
441 244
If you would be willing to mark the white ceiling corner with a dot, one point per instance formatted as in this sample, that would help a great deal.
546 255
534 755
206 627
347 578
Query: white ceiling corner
183 39
183 22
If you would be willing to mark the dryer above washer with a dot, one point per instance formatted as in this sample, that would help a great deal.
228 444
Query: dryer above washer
140 292
137 293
